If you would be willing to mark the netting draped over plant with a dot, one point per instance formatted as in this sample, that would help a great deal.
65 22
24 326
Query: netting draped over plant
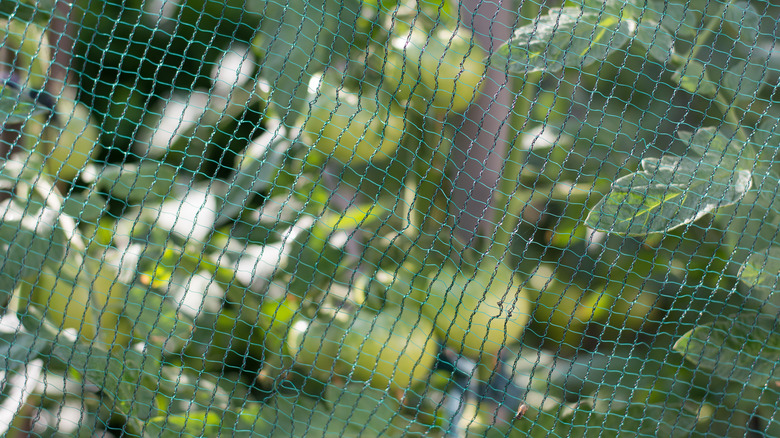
276 218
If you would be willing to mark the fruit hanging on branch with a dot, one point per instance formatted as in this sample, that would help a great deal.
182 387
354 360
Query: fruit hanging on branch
393 349
443 68
352 128
477 313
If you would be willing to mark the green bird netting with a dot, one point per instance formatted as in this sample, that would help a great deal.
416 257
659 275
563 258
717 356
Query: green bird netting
325 218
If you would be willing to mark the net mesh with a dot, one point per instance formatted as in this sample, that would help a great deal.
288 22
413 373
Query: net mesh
281 218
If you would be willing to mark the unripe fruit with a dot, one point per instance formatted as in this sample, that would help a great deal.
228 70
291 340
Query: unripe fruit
354 129
392 349
32 55
449 64
395 348
477 314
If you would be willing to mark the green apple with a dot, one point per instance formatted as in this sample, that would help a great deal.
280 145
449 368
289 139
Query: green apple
391 350
450 65
353 128
395 348
477 314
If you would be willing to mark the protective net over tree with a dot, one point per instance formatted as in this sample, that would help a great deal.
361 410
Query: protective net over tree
290 218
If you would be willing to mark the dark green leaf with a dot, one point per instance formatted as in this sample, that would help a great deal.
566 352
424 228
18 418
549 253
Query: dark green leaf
354 410
256 173
638 419
85 207
569 37
693 78
742 348
671 192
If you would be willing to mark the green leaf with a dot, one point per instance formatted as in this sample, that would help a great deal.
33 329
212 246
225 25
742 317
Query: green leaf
194 423
693 78
126 379
743 18
256 173
27 10
20 347
317 249
296 39
671 192
741 348
681 18
638 419
743 80
156 318
658 41
147 182
31 236
86 207
761 272
569 37
352 410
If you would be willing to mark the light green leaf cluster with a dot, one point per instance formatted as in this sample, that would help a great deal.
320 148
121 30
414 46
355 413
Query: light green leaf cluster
673 191
741 348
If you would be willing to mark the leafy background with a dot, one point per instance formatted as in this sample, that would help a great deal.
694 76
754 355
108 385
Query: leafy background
247 218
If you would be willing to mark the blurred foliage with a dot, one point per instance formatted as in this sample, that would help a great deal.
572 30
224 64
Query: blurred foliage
237 221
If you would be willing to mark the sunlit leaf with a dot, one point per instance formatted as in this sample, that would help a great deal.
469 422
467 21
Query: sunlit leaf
568 37
670 192
741 348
